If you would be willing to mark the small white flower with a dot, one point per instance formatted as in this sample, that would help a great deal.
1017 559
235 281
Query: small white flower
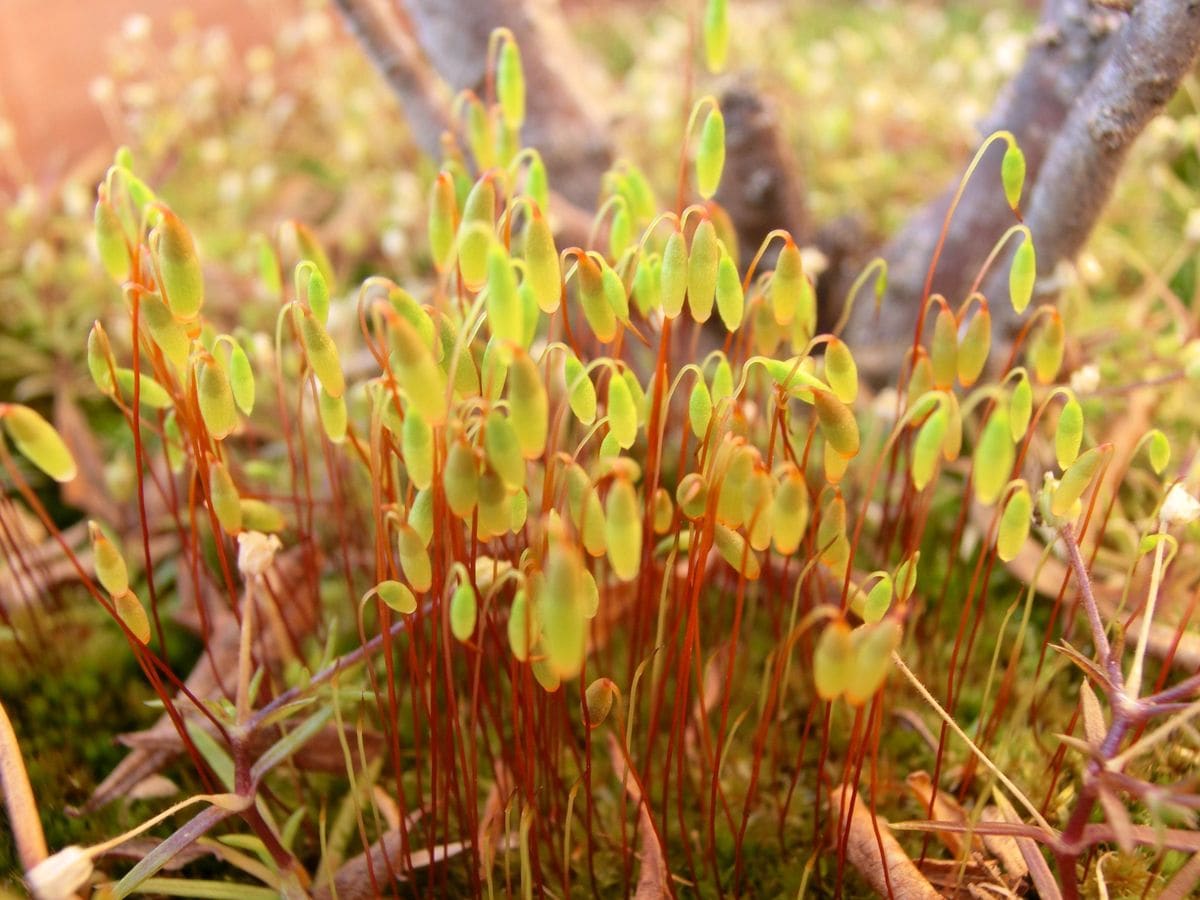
256 552
1085 379
1180 507
61 875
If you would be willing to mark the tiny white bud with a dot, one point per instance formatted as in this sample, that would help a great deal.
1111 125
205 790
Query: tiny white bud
1085 379
256 552
61 875
1179 508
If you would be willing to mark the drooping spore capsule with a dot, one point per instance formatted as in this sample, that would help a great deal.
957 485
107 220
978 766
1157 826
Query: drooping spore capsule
622 412
528 405
503 449
179 265
217 406
993 457
581 393
872 647
505 316
109 563
510 84
443 211
110 242
464 611
1014 524
38 441
674 275
841 371
542 268
460 479
416 446
475 233
833 660
1012 174
927 448
943 350
731 301
1075 481
710 156
700 408
974 348
623 524
1068 436
837 423
321 353
703 263
397 596
226 502
332 412
599 700
1021 275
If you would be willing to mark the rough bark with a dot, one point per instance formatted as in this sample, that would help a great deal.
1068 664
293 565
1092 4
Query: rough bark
1092 80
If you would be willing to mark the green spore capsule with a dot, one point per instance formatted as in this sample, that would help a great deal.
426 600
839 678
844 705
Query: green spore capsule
110 242
1021 275
241 378
703 262
837 423
716 34
622 412
258 515
943 350
109 563
504 450
841 371
620 233
543 271
598 698
974 348
623 530
321 353
731 301
460 479
443 211
416 446
928 448
673 275
993 457
1020 408
1014 524
1068 436
789 512
414 558
787 285
332 412
871 648
581 393
505 316
475 233
1075 481
879 599
736 552
464 610
397 596
510 85
151 394
223 494
217 406
179 266
423 380
833 660
710 156
614 292
905 579
559 602
1046 350
528 405
700 408
1012 174
599 312
1159 451
692 495
130 611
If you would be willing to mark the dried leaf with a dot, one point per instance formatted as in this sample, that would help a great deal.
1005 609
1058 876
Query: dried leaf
902 878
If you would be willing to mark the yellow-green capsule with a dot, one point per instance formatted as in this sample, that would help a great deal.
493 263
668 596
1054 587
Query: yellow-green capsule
943 350
99 355
260 516
443 213
460 479
423 380
109 563
731 502
131 612
1020 408
722 381
586 512
414 558
505 317
673 275
518 511
543 271
760 494
952 444
787 285
217 406
397 596
703 263
110 242
1159 451
623 530
316 291
223 494
475 233
151 394
581 393
598 698
493 371
537 186
927 448
614 292
597 309
416 446
481 135
831 534
993 457
1068 436
179 265
664 511
321 353
905 579
420 515
920 383
495 511
833 660
879 598
510 84
974 348
734 550
647 288
528 406
700 408
731 302
1046 350
841 371
1012 174
620 232
835 464
716 34
268 267
1021 275
332 411
524 630
310 248
1075 480
464 611
1014 524
789 512
622 412
871 647
560 609
692 495
710 156
504 449
241 378
837 423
